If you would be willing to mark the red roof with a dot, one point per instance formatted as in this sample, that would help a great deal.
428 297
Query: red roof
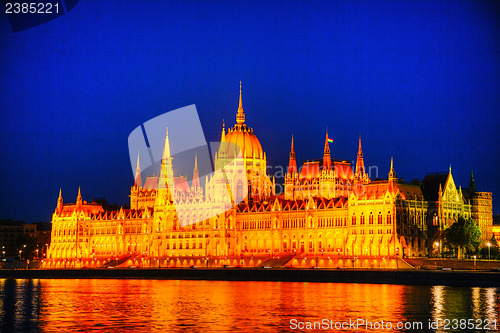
343 170
310 170
181 184
88 209
151 183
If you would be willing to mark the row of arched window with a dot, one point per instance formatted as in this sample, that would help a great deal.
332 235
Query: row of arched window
380 218
257 224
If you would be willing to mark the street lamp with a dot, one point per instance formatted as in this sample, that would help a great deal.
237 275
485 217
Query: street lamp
437 245
20 251
489 246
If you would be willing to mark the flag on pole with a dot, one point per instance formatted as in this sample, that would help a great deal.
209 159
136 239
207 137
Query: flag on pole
330 140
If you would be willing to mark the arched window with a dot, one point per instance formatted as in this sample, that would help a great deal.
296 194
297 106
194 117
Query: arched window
370 218
389 218
379 217
362 222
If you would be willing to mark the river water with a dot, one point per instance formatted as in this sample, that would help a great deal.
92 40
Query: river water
66 305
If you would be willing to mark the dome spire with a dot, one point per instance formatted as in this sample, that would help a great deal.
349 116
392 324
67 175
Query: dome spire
223 135
166 148
240 116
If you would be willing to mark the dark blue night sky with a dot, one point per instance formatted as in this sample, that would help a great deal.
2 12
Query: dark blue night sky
419 80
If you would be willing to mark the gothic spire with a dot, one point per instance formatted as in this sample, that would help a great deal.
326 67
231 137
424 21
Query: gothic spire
392 173
79 200
327 160
59 201
166 148
166 179
472 183
138 180
196 172
360 163
292 165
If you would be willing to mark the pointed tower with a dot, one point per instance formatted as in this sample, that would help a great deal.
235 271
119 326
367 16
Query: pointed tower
392 173
360 174
472 183
196 173
393 180
59 202
79 200
166 179
240 115
327 160
292 164
138 180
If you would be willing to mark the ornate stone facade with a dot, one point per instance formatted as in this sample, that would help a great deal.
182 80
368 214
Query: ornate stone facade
328 215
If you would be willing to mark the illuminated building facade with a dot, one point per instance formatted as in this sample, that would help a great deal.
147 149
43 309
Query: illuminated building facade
328 215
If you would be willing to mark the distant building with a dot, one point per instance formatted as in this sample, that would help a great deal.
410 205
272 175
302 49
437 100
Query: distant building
22 240
496 228
482 208
11 237
42 239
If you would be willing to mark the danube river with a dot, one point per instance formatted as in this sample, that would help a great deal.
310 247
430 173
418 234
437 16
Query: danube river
219 306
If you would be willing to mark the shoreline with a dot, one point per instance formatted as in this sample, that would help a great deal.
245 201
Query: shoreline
401 277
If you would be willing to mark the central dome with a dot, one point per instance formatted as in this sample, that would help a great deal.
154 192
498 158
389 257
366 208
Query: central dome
242 136
246 140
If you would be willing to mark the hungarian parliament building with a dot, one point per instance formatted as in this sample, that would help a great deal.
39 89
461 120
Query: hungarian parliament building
328 215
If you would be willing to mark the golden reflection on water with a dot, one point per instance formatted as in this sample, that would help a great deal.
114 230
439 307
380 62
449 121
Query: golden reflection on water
211 306
465 303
